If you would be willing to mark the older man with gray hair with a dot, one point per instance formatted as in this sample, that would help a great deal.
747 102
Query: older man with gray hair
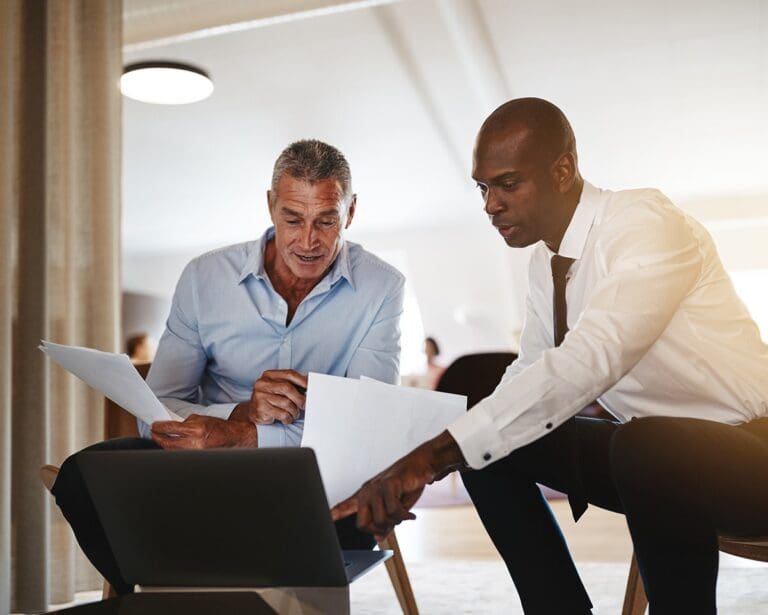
248 322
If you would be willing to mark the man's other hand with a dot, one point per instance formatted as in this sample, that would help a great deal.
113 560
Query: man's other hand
198 431
279 395
386 499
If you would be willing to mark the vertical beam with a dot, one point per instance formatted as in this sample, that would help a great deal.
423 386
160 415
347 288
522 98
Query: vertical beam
9 23
472 41
432 106
30 376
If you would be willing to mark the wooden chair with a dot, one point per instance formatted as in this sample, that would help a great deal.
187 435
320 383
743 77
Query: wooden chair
635 600
119 423
398 575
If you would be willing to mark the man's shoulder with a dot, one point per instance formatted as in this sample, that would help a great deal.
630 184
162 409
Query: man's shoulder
233 256
644 217
637 200
219 266
367 269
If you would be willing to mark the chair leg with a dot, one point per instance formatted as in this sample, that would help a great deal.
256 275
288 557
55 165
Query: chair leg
635 600
48 474
399 576
108 591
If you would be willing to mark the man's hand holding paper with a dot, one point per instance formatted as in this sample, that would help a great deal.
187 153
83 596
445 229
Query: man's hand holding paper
198 431
278 395
358 428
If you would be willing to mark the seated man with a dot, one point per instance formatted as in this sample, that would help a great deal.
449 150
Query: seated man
249 321
628 303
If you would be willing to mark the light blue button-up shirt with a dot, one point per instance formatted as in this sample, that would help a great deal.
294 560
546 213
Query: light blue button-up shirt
227 327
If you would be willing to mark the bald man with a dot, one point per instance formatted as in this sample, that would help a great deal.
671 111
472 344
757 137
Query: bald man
628 304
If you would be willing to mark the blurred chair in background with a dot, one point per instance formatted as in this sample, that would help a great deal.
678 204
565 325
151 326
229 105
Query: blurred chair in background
140 348
475 375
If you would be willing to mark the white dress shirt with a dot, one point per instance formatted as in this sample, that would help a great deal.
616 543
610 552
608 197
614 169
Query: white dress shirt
655 329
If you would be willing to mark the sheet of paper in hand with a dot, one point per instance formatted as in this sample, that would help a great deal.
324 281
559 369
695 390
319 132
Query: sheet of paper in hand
357 428
113 375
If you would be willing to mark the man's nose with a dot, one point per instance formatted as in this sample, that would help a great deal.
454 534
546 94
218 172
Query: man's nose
308 237
493 205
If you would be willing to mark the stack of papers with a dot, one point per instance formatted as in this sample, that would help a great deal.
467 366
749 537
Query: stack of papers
358 428
113 375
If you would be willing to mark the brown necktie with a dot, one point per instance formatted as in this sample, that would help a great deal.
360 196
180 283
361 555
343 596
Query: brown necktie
560 266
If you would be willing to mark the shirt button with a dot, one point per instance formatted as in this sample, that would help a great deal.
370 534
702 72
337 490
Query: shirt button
486 456
549 425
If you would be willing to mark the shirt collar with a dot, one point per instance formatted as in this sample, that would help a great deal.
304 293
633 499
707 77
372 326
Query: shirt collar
575 237
254 264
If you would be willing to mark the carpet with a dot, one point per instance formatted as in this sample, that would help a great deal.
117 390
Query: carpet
451 492
483 587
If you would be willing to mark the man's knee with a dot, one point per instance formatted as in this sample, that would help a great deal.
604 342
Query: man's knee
69 481
68 476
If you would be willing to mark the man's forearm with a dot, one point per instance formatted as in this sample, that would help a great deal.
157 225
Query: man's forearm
446 455
248 435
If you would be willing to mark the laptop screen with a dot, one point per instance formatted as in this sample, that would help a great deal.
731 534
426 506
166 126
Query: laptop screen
216 518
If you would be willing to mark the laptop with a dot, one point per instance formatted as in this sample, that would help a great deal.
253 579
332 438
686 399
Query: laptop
220 518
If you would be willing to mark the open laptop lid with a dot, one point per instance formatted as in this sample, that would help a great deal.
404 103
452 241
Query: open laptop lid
216 518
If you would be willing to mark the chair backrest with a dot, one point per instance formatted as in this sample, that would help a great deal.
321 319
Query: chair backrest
118 422
475 375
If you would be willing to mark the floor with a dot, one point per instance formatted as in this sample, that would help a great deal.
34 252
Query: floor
456 532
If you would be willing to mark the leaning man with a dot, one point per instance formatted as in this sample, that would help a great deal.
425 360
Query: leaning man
628 304
248 323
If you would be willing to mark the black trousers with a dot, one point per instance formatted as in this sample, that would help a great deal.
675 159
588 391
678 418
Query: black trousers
75 503
678 481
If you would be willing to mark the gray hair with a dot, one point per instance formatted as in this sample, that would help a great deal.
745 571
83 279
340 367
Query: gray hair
313 161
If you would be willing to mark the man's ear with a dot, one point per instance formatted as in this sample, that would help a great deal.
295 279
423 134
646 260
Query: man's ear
564 172
351 210
270 206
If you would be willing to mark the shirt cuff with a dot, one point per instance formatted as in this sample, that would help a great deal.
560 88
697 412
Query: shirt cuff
144 430
271 436
479 440
220 411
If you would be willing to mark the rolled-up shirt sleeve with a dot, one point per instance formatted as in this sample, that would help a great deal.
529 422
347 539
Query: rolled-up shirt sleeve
648 264
378 355
180 361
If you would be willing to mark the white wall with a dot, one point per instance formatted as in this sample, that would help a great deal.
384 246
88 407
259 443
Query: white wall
739 227
469 285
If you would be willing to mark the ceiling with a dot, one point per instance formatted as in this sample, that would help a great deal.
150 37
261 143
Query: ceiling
666 94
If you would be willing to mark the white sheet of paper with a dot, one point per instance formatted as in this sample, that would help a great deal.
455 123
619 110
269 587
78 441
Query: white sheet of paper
113 375
357 428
